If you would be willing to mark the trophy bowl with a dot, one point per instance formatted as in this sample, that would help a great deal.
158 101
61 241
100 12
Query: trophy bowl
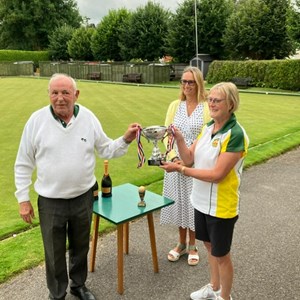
154 134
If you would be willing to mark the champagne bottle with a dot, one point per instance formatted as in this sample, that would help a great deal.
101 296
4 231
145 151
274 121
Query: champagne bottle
106 183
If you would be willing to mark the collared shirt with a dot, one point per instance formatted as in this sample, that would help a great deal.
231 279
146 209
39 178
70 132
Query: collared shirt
219 199
63 123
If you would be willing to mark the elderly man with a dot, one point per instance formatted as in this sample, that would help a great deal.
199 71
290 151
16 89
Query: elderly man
60 141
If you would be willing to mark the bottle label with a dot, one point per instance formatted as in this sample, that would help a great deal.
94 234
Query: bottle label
106 190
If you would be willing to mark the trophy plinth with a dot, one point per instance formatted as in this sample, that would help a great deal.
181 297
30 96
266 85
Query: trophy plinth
154 134
154 162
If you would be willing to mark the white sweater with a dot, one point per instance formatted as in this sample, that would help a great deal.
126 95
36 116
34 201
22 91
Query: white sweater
64 157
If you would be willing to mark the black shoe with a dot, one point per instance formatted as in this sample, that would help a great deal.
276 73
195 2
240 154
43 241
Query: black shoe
82 293
51 298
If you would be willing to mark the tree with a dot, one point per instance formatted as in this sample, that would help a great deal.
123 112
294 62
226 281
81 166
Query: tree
212 16
105 40
294 23
58 42
26 25
181 34
281 45
143 34
79 47
258 30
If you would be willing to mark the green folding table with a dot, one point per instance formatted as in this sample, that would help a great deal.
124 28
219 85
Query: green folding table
120 209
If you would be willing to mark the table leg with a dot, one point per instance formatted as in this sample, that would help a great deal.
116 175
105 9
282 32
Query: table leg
94 242
126 238
152 241
120 259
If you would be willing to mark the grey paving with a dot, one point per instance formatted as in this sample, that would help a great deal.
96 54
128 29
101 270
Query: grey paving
266 249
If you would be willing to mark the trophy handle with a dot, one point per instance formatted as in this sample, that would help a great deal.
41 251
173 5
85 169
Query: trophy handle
166 135
143 134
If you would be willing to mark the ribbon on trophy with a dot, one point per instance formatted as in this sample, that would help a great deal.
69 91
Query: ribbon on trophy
171 139
141 154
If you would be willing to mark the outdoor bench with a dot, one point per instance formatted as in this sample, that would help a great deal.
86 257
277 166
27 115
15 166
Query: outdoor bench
132 77
94 76
242 82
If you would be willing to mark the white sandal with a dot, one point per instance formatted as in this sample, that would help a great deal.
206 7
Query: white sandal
193 259
174 255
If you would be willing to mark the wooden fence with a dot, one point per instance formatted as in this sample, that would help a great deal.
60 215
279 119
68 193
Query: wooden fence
151 73
18 68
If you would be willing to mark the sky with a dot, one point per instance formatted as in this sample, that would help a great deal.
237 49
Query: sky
95 10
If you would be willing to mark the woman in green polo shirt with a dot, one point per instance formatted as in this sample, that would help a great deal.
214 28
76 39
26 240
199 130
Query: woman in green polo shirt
215 162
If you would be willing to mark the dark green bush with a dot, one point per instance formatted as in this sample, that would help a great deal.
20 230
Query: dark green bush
18 55
281 74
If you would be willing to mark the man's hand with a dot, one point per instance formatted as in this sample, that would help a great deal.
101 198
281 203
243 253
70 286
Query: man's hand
130 134
26 211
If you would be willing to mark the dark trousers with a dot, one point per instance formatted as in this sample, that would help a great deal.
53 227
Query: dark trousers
62 220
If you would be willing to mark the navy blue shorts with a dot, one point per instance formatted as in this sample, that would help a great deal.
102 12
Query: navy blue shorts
217 231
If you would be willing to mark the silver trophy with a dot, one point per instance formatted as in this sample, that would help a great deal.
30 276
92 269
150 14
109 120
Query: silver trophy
155 134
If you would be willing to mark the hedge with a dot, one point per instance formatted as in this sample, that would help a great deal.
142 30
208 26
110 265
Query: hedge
281 74
18 55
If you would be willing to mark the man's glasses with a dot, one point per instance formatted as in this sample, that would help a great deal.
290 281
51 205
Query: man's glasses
188 82
214 100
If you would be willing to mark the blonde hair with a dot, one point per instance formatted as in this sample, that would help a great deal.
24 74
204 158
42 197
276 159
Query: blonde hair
230 92
198 77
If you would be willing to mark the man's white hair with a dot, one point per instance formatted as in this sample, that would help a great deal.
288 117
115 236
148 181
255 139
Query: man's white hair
58 75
